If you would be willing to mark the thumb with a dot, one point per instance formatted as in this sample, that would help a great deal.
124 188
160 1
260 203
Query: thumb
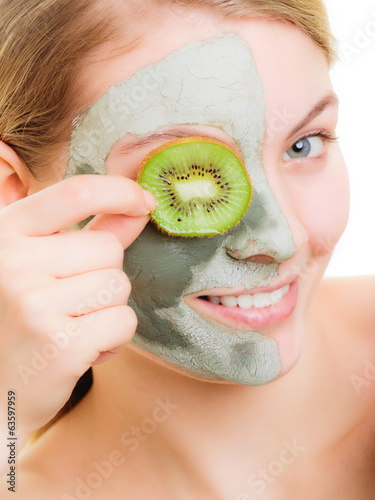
125 227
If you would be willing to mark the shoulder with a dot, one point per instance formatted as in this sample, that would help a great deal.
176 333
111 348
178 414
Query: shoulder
352 300
345 308
28 486
41 474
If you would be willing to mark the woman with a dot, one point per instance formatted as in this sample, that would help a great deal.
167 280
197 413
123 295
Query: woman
223 367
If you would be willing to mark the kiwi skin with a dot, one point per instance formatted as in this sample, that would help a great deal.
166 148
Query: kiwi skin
186 140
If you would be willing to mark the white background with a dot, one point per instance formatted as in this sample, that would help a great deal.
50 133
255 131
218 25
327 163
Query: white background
354 81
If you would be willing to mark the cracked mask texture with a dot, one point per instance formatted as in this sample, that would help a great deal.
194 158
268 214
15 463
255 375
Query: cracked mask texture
212 82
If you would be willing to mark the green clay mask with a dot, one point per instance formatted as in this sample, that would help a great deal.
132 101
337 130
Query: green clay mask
212 82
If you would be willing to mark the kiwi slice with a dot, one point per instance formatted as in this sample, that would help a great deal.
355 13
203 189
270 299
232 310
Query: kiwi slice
200 185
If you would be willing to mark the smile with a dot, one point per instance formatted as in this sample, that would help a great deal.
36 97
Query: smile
244 310
258 300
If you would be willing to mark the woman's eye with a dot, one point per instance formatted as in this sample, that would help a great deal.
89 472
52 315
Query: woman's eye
305 148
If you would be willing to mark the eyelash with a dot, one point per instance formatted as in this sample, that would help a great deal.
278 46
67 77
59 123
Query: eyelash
323 134
320 133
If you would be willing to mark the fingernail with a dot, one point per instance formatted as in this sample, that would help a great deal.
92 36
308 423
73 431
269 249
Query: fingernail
149 200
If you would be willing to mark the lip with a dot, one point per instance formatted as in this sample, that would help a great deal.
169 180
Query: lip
237 318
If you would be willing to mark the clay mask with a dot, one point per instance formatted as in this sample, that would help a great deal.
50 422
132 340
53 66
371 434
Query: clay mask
212 82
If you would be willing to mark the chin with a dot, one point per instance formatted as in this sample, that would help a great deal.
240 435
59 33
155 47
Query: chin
249 358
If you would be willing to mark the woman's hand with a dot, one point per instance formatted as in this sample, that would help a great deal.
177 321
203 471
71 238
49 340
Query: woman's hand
63 294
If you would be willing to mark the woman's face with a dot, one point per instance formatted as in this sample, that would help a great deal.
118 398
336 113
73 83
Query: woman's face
264 89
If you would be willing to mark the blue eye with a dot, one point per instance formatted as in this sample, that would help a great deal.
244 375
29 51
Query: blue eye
305 148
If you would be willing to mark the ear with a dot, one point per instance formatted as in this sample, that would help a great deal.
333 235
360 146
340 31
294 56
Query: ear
14 178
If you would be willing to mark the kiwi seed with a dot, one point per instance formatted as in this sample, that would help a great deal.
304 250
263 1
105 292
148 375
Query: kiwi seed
201 186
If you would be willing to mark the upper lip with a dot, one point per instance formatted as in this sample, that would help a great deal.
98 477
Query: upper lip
241 290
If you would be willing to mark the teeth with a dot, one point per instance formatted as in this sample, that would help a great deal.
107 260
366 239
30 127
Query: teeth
276 296
258 300
262 300
229 301
245 301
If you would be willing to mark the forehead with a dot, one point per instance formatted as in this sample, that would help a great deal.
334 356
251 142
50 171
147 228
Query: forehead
211 82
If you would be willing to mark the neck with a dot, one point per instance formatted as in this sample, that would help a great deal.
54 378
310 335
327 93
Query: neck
199 428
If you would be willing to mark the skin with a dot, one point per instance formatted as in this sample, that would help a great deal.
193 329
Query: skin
172 268
173 331
218 435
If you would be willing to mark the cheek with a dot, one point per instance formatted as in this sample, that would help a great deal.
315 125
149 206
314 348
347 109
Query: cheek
321 204
160 267
156 268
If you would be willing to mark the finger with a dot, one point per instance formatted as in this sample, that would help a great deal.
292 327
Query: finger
73 252
85 293
126 229
62 205
101 331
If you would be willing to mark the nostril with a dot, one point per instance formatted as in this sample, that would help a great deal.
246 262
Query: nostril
236 254
255 259
249 247
260 259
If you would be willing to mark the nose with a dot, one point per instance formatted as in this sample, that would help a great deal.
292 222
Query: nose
263 235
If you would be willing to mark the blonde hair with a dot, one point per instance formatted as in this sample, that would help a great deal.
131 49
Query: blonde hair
42 43
308 15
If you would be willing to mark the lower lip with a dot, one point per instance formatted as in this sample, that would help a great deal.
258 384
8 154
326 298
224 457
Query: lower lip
238 318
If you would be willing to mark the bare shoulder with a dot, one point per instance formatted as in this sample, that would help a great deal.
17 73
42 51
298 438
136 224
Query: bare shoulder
20 480
41 469
351 305
29 486
352 299
346 307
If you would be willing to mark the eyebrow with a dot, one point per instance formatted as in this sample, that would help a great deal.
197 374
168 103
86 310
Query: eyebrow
329 100
176 133
168 135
